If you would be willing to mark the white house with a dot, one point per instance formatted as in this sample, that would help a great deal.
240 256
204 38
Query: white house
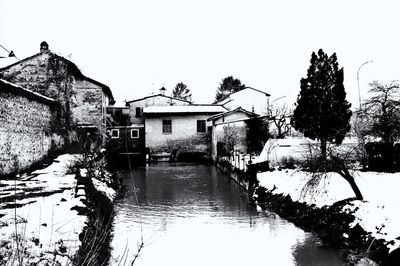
178 127
249 99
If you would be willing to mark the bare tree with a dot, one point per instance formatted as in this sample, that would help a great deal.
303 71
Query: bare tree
361 124
383 110
280 116
338 161
230 137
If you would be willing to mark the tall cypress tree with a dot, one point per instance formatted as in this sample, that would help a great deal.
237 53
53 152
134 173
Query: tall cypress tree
322 111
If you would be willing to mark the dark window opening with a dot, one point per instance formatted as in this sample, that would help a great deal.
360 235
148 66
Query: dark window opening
115 133
201 126
138 111
167 126
134 133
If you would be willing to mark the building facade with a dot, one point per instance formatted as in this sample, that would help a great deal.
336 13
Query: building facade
249 99
136 106
82 100
181 129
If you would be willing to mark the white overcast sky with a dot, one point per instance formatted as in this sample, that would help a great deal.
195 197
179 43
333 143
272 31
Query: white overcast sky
135 47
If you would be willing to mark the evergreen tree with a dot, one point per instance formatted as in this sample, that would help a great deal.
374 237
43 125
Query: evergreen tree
322 111
228 86
182 92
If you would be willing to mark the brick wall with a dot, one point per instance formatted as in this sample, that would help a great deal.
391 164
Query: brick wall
25 128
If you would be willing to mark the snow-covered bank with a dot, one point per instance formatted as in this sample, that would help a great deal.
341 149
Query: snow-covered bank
377 214
42 217
48 210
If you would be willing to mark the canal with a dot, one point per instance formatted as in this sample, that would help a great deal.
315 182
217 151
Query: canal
195 215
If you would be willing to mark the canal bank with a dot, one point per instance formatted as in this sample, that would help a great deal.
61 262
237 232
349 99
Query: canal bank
237 175
337 222
58 215
99 193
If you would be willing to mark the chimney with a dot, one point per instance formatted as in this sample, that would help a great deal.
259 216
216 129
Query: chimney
162 91
44 47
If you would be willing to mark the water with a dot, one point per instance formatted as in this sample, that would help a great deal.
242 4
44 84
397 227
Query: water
195 215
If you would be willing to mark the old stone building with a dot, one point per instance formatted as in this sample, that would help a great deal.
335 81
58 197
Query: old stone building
82 100
26 134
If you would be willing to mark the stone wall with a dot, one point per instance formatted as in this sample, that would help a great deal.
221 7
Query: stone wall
82 100
25 128
89 105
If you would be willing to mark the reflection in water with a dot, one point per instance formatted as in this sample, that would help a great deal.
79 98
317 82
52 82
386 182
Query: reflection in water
194 215
310 252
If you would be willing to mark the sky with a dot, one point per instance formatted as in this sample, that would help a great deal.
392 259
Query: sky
136 47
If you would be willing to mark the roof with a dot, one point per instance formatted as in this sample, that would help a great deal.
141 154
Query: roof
227 99
179 109
118 104
237 110
169 97
5 85
72 66
263 92
6 61
106 89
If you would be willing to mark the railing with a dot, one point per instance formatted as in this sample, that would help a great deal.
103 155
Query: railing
238 160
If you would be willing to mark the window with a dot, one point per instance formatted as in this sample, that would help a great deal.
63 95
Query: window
138 112
167 126
201 126
114 133
134 133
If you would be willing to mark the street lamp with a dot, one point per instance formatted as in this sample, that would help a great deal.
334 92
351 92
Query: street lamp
358 80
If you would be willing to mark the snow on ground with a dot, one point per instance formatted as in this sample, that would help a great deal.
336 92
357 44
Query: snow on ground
44 200
380 208
103 188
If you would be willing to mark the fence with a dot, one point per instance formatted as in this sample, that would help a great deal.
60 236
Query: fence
238 160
